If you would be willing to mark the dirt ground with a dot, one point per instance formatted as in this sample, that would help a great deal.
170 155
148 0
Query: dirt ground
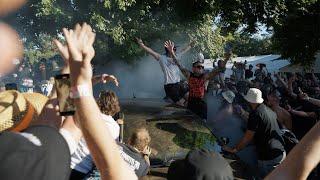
174 132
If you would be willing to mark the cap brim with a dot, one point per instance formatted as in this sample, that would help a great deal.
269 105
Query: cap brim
257 101
227 98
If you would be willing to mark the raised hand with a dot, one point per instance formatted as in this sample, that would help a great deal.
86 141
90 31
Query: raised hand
303 96
170 46
73 39
139 41
107 78
80 47
63 49
64 52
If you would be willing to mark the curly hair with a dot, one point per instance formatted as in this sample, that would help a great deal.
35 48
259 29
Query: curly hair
108 103
140 138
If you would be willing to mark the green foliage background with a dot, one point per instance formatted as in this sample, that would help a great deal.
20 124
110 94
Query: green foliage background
295 25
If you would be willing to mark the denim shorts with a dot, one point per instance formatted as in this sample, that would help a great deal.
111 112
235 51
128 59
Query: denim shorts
265 167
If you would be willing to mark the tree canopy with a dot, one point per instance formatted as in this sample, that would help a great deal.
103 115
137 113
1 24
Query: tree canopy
208 22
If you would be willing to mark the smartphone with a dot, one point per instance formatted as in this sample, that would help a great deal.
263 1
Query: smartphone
11 86
66 103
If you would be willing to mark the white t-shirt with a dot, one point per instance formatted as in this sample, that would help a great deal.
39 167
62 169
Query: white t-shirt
170 70
81 159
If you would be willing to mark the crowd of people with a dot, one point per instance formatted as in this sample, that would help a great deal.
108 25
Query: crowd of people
279 110
40 144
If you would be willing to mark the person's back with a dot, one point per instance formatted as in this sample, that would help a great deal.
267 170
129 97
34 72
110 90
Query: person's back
248 73
259 74
268 140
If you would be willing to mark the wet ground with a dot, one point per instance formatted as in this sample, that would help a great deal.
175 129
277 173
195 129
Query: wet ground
174 132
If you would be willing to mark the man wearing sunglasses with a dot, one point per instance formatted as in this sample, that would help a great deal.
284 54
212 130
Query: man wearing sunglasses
196 79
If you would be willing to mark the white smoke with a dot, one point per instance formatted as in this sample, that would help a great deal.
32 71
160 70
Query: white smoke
141 79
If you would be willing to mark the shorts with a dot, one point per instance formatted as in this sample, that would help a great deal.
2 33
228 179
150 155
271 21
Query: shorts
265 167
175 91
198 106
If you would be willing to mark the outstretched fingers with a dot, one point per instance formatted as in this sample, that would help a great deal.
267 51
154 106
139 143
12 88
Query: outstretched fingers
62 49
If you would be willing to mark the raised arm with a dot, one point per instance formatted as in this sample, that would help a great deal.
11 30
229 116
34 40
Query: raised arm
290 88
149 50
187 48
101 145
313 101
170 46
212 74
105 78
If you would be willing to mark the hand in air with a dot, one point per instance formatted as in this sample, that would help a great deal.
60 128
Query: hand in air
139 41
80 47
107 78
170 46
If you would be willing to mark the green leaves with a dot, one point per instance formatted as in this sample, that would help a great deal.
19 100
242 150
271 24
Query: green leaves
117 22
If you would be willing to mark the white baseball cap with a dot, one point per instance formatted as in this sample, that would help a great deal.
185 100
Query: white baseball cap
254 95
228 96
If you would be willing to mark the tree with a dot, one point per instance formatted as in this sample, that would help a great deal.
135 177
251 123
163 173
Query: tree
117 22
245 45
298 38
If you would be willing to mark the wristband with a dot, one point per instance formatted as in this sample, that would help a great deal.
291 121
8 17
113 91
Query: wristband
80 91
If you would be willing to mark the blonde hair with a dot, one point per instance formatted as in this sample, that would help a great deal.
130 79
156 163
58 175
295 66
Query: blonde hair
140 138
108 103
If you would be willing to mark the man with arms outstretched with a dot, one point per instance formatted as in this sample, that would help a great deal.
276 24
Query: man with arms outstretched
172 86
196 79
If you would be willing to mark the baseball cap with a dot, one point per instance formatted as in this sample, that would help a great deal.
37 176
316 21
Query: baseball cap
200 164
37 153
197 63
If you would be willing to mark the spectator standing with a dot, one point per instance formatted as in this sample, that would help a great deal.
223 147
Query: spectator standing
249 72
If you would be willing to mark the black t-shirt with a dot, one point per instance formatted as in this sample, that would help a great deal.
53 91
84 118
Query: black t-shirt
267 137
248 74
134 160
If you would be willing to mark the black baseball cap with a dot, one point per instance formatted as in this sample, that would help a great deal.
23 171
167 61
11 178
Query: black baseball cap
38 153
200 164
